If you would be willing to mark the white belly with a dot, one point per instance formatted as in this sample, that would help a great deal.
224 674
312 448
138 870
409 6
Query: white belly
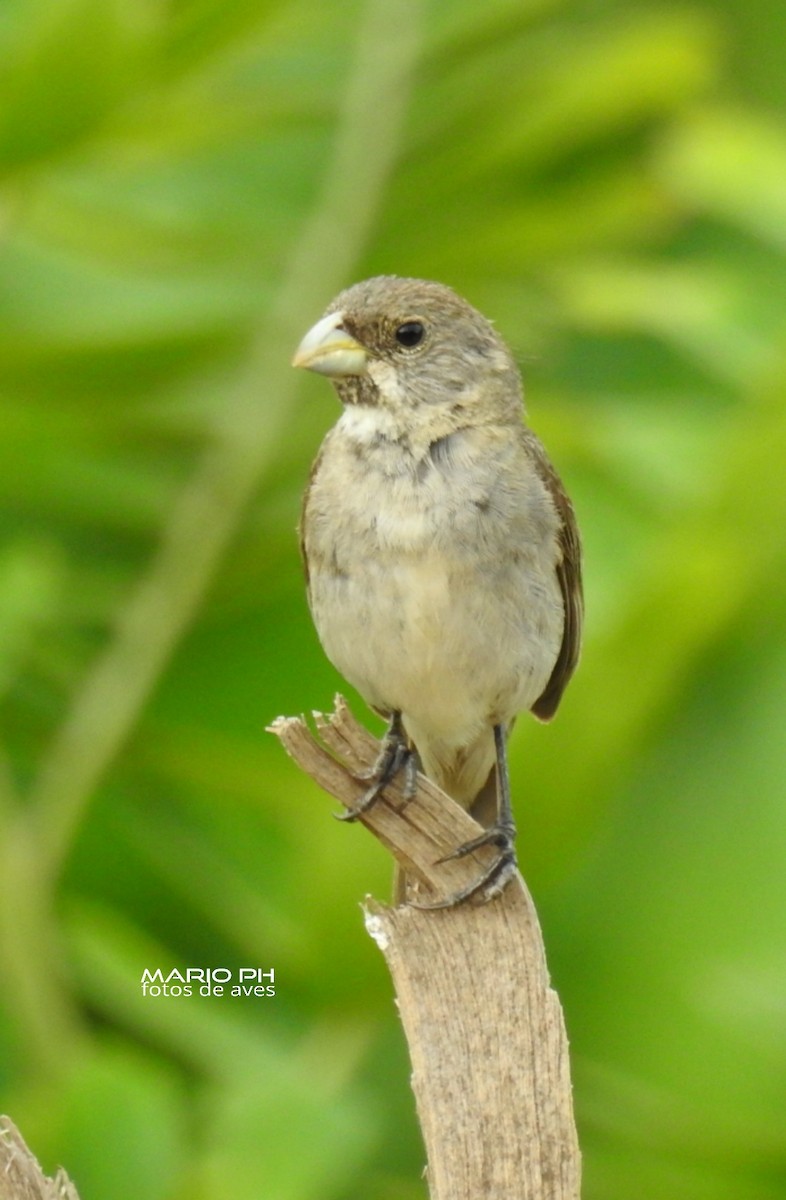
452 650
435 592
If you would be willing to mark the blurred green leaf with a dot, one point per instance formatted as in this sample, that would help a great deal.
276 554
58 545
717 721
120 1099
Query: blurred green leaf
285 1136
185 185
30 586
733 164
121 1125
64 70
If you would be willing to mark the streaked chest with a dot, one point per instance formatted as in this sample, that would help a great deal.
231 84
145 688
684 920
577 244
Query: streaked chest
468 493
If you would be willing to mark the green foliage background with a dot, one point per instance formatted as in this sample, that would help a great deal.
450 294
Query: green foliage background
185 184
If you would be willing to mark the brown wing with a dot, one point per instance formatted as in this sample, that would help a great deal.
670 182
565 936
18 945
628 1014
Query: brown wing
569 576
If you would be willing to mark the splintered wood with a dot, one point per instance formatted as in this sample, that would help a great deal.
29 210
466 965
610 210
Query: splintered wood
486 1035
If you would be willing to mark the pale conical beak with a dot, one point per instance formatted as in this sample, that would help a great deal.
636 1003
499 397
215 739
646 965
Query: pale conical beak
330 350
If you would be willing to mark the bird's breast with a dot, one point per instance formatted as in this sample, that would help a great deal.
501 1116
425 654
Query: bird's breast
432 579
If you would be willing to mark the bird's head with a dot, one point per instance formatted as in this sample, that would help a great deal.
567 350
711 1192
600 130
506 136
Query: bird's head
415 348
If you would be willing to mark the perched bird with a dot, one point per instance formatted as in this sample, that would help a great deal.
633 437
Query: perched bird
441 551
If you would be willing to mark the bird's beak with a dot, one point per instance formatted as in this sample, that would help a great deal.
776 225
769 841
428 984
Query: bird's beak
330 350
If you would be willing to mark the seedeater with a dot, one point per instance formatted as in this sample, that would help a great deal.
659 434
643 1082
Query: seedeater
442 556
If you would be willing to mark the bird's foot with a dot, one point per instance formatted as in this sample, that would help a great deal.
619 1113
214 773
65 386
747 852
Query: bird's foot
395 756
494 879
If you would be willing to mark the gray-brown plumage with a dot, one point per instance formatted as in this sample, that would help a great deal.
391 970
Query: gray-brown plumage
442 555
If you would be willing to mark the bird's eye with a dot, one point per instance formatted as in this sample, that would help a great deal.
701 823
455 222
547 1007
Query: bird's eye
410 334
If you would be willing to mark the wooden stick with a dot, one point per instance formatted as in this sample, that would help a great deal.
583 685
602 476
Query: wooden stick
21 1178
485 1030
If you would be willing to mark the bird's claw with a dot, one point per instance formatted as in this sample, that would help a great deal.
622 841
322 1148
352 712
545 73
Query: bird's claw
502 836
493 880
394 757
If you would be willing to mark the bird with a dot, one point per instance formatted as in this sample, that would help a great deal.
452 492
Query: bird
441 550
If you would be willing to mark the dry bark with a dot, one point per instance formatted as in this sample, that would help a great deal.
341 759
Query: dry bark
21 1178
485 1029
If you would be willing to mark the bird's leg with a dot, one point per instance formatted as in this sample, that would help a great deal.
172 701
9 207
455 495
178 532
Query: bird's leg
395 755
501 835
